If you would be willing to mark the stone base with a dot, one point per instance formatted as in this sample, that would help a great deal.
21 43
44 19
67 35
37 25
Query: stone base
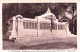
39 40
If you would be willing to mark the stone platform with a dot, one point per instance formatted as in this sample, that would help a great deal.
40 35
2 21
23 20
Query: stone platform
28 41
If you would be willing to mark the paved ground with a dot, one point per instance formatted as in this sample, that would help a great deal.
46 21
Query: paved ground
59 43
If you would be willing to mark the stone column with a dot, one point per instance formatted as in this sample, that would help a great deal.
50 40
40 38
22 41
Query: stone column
57 23
38 28
20 27
57 26
13 32
67 28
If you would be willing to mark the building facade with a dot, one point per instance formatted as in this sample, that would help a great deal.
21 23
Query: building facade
41 26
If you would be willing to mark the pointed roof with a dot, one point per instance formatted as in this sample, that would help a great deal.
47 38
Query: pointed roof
47 13
48 10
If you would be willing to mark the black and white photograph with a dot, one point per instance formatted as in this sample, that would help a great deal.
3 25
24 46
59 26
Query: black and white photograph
39 26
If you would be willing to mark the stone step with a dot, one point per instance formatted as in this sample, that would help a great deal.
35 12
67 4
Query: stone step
38 40
32 41
28 38
59 32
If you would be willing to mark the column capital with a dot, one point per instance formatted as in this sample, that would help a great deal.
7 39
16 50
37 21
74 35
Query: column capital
19 16
14 18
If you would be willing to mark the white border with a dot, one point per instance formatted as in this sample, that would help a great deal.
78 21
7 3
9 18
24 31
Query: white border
43 1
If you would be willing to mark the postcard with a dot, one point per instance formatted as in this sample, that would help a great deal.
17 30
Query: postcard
39 26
